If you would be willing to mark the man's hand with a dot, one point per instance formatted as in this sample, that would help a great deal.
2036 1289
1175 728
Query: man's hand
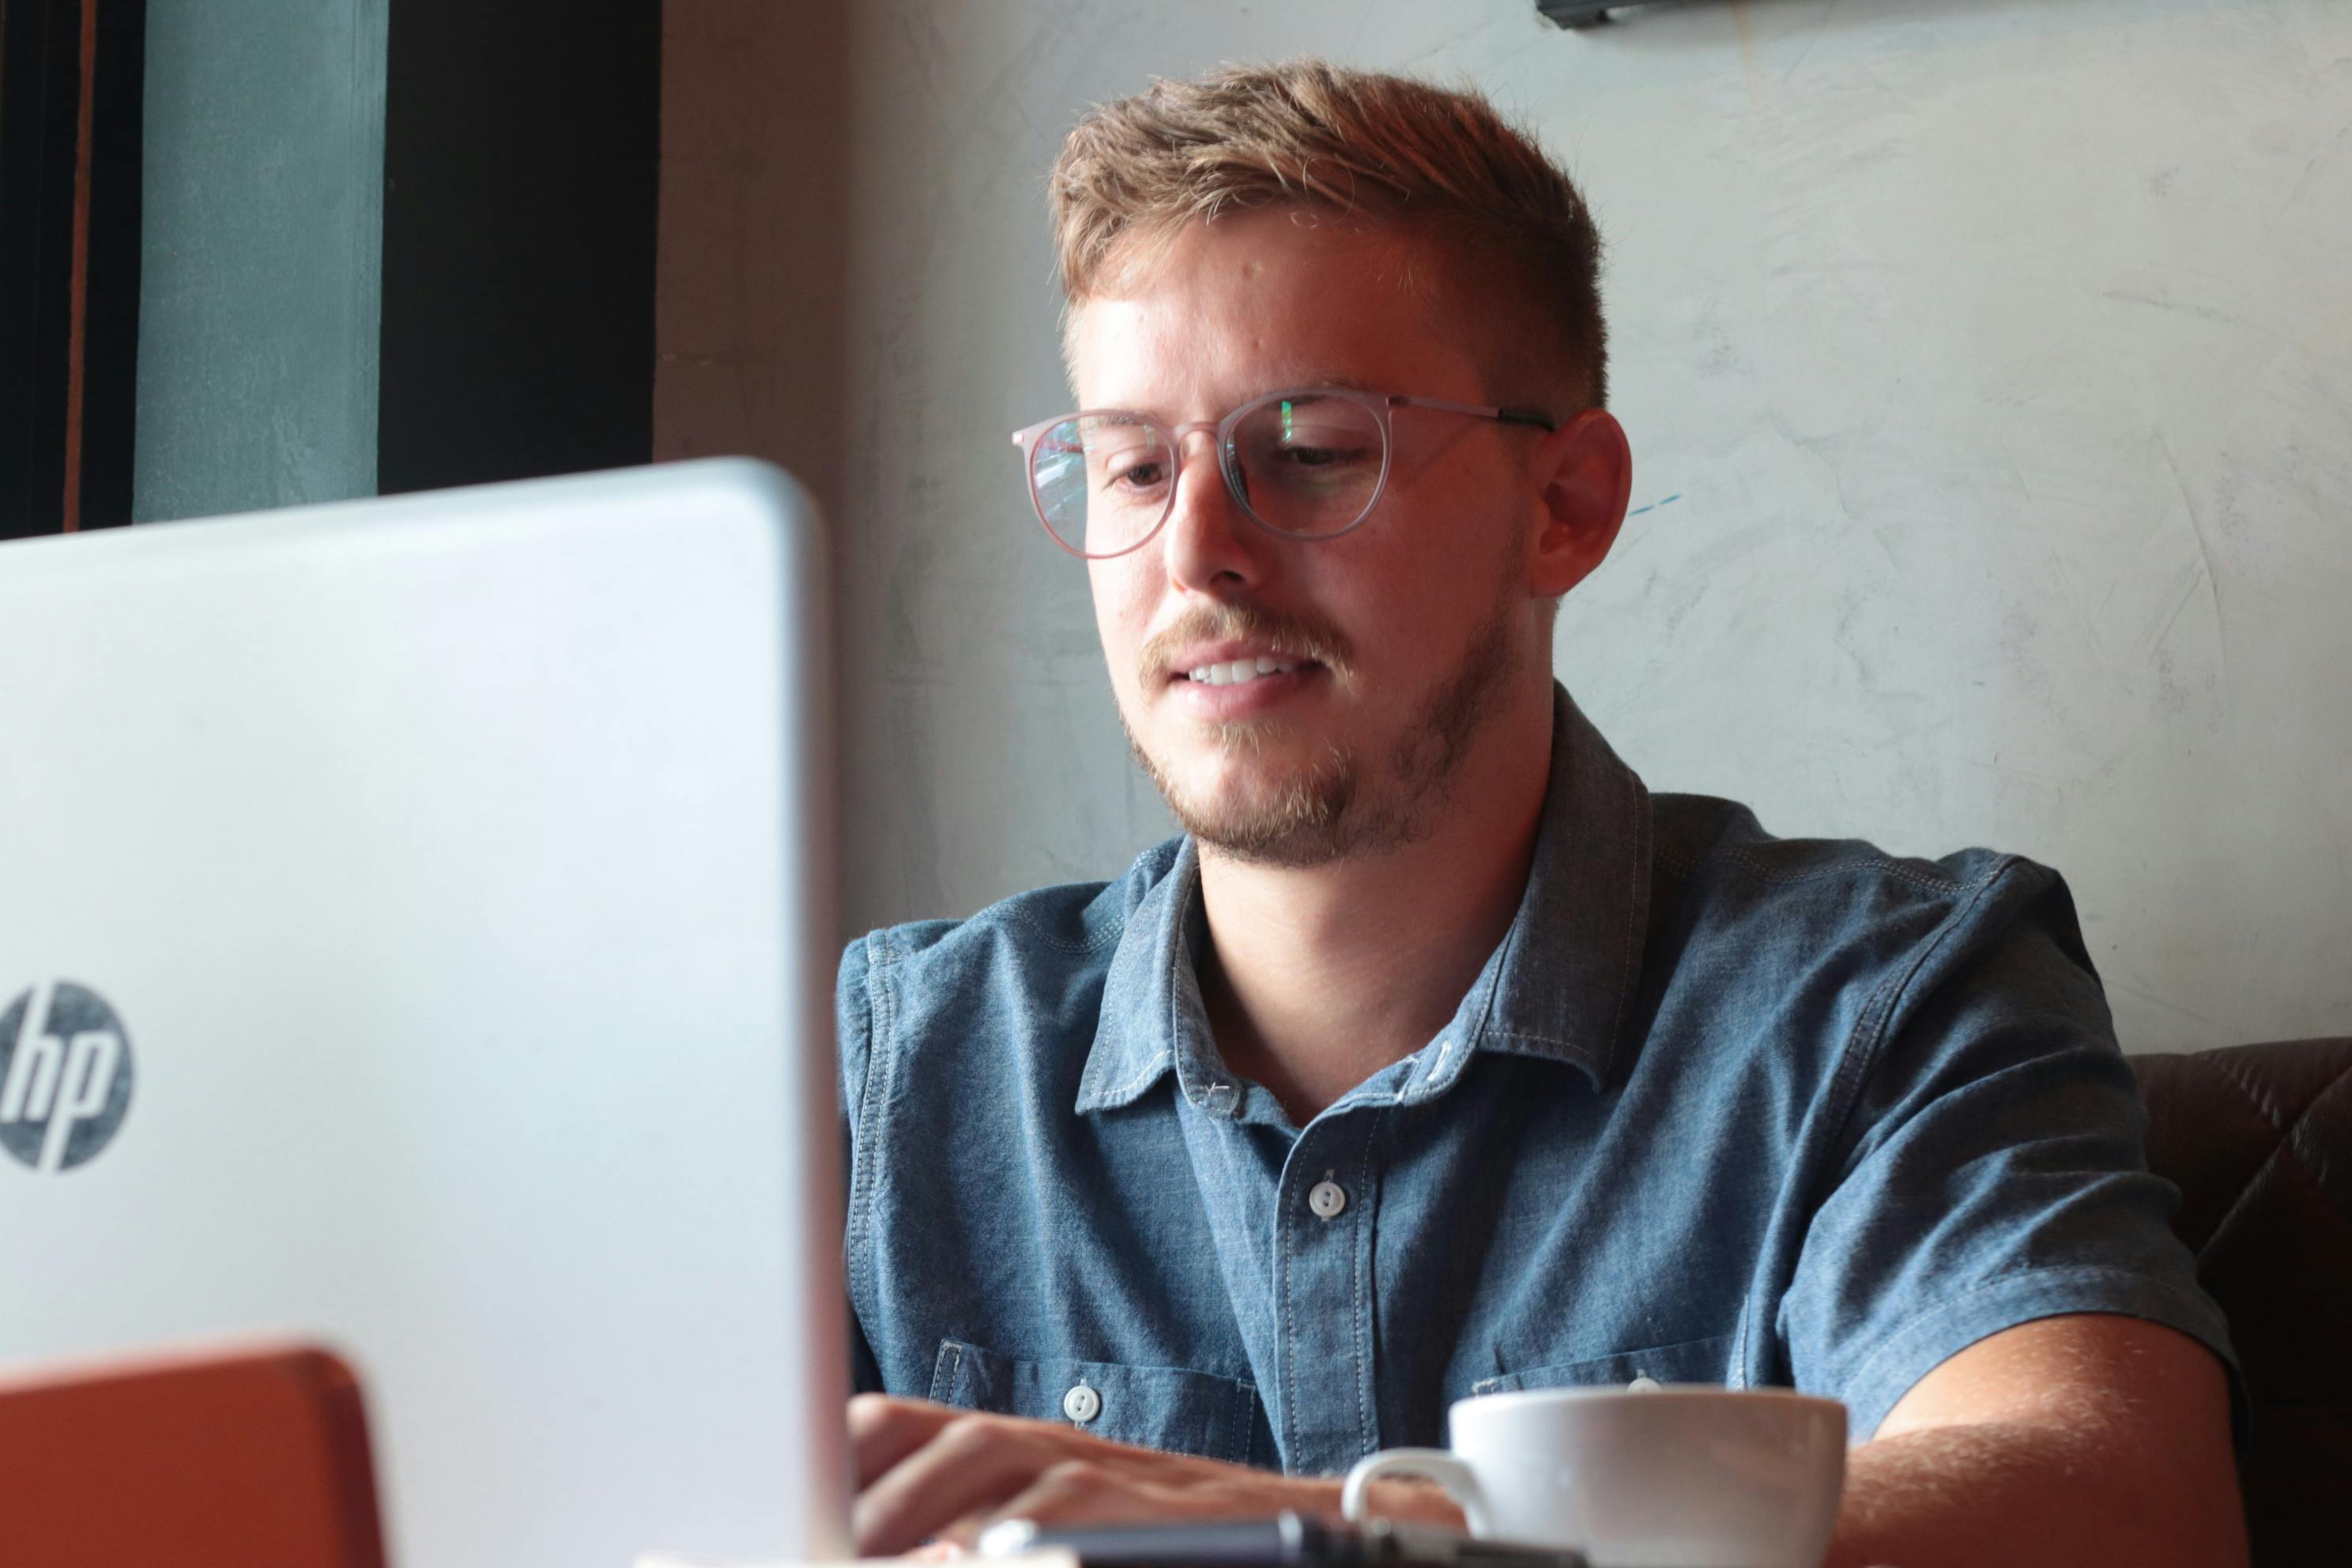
929 1471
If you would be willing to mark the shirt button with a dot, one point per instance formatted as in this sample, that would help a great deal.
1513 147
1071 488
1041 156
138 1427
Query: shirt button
1328 1199
1082 1405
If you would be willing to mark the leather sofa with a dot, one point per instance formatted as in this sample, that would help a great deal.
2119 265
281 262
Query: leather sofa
2259 1139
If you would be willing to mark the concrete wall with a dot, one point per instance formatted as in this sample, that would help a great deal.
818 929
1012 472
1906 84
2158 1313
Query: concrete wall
1988 369
261 249
748 324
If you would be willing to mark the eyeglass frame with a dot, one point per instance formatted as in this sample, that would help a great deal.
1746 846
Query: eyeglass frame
1382 406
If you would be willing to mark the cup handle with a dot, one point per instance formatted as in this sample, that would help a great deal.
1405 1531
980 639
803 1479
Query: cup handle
1429 1464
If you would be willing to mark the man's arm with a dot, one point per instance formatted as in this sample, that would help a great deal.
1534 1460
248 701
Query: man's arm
2078 1439
2070 1440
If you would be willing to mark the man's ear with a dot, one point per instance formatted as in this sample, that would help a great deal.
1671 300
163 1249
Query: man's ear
1584 471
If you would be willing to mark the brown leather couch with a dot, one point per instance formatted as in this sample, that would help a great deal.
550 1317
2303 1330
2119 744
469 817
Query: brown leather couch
2259 1139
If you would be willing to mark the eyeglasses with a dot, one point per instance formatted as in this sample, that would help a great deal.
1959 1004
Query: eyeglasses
1305 464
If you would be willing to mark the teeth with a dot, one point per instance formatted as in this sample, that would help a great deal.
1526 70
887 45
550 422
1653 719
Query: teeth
1239 670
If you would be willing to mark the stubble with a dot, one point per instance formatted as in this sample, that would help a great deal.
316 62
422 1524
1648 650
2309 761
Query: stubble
1342 806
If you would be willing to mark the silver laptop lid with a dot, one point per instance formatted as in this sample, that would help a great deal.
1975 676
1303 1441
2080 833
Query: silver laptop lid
416 931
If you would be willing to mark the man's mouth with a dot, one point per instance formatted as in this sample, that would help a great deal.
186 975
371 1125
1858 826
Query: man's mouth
1236 672
1269 658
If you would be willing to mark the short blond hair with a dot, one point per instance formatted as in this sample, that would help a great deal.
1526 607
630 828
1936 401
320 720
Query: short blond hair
1307 133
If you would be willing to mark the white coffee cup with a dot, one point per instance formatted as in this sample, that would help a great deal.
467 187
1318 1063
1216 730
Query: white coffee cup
1683 1476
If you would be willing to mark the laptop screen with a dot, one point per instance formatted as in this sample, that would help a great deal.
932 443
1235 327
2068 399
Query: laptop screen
420 939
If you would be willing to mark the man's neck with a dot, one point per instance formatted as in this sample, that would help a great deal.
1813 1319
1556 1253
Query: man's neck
1316 979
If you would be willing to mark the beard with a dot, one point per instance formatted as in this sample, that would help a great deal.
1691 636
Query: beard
1340 806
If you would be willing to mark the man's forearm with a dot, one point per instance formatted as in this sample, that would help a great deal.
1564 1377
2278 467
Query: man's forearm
2024 1495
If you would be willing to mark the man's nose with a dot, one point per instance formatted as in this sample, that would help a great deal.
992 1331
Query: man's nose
1210 544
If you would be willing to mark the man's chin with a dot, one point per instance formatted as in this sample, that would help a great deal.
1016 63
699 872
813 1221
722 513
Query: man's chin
1268 840
1298 818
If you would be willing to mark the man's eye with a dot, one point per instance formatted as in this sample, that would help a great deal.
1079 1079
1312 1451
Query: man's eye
1138 474
1308 454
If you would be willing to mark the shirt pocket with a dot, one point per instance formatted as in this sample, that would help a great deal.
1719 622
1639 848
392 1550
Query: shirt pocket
1162 1407
1687 1361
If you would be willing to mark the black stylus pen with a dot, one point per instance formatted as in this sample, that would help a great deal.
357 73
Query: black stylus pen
1289 1540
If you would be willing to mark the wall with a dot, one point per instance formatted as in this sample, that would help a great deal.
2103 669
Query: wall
260 259
751 281
1988 369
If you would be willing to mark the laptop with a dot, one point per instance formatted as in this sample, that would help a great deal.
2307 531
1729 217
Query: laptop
417 936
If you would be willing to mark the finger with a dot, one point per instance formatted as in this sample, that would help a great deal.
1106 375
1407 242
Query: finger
971 1465
1106 1487
1414 1500
884 1430
1073 1491
1101 1489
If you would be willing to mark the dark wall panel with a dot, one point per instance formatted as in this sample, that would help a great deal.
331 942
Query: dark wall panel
109 386
70 173
521 151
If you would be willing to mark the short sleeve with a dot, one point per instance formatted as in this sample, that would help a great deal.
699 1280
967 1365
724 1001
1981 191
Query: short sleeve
1994 1172
853 1032
853 1011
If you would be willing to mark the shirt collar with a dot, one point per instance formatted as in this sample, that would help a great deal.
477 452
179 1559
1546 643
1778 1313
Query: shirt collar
1558 988
1567 970
1152 1001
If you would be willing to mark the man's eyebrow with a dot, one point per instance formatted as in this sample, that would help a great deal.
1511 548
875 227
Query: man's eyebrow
1304 380
1307 379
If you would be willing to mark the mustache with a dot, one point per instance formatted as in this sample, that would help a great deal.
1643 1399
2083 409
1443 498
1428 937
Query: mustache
1296 636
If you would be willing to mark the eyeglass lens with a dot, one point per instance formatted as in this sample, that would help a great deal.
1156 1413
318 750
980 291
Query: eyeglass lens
1301 465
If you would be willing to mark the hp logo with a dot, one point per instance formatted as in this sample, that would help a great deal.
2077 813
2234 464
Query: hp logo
64 1076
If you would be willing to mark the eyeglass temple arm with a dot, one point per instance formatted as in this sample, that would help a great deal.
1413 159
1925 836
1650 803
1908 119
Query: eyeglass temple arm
1514 416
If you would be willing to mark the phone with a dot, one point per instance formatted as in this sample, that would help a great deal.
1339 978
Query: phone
1289 1540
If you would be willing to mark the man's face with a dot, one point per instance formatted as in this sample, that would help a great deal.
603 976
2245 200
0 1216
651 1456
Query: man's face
1408 634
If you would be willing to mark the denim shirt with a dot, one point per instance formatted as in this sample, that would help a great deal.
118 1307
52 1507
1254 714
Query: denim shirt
1721 1108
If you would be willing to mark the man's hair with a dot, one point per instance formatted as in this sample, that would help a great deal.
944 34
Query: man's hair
1310 134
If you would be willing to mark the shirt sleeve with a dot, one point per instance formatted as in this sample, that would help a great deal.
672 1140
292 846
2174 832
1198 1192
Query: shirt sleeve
852 1017
1994 1172
854 1033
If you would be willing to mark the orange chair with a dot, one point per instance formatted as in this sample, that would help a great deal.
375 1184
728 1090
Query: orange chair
255 1458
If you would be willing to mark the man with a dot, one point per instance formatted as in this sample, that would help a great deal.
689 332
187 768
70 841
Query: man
1438 1057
